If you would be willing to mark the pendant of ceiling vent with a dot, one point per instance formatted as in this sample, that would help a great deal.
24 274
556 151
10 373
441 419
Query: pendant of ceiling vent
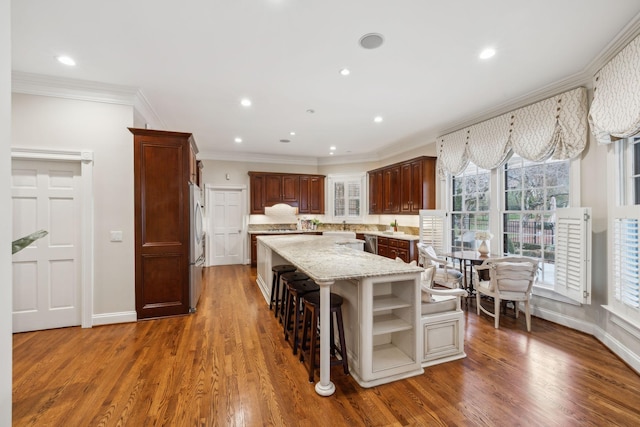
371 41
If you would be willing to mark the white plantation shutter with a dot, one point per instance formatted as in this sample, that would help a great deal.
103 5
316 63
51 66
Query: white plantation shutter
433 229
346 195
354 198
339 199
573 254
626 278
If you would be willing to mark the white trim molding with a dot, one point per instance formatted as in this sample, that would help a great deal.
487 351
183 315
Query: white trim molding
113 318
82 90
61 87
86 221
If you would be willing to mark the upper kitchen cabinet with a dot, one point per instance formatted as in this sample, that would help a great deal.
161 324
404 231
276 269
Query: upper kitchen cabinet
311 199
375 191
256 188
306 192
281 189
163 168
390 190
403 188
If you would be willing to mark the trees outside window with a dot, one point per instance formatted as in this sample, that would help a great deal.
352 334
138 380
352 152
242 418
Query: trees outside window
470 206
532 193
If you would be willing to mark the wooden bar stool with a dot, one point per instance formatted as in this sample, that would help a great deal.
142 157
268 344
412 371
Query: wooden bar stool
278 270
311 303
295 292
285 278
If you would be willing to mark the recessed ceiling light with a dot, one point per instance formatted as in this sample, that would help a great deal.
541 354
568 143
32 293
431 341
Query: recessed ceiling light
345 72
487 53
292 133
371 41
377 119
245 102
332 148
237 140
66 60
331 153
285 141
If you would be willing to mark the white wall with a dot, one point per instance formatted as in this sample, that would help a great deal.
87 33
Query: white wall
6 346
57 123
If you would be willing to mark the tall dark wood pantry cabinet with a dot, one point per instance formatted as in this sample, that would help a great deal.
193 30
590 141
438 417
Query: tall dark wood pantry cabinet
163 166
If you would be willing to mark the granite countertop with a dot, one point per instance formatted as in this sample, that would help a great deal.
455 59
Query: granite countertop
393 236
324 260
282 231
373 233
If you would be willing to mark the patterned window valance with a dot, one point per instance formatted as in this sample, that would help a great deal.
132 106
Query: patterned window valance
556 126
615 109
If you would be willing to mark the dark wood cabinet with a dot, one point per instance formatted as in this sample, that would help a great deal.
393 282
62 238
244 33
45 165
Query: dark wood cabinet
256 185
281 189
403 188
393 248
163 167
311 200
306 192
391 190
375 192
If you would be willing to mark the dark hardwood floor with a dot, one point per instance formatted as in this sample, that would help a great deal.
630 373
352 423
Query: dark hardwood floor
229 365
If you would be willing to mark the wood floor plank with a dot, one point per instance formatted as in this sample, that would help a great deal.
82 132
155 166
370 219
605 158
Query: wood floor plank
228 365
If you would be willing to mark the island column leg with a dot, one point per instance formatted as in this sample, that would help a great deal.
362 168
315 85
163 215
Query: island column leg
325 387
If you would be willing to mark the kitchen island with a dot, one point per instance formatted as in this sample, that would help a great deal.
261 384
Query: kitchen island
381 309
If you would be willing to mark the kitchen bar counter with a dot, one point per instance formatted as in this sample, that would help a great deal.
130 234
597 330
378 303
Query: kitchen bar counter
382 304
324 260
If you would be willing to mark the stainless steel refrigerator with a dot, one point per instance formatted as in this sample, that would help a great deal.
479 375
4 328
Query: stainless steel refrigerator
196 252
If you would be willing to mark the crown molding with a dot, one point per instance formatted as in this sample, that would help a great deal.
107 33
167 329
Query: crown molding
624 37
349 159
63 87
144 108
83 90
257 158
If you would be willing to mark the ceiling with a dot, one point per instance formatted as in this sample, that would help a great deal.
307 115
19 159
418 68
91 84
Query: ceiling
195 60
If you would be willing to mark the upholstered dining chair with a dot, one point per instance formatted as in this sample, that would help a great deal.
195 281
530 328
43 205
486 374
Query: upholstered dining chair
445 273
509 279
431 295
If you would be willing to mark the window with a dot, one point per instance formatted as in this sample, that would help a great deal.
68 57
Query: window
470 206
346 197
625 228
631 171
532 193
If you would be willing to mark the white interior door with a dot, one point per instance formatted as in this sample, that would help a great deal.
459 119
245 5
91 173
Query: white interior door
46 275
226 213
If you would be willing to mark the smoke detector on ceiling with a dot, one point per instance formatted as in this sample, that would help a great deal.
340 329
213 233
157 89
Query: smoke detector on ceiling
371 41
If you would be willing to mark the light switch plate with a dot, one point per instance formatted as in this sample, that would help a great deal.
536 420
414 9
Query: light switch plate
116 236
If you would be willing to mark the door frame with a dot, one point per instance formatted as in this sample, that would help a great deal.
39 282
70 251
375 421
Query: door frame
209 189
86 216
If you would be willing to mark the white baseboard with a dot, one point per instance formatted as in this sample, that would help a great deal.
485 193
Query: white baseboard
564 320
619 349
113 318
